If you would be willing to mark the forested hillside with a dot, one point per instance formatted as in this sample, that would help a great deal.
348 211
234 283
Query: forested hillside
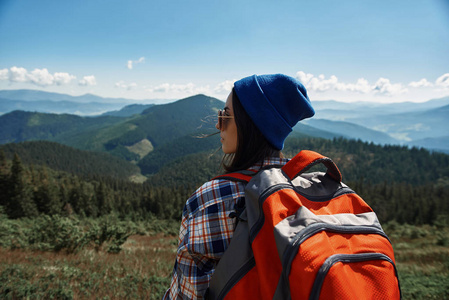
181 147
165 127
19 126
405 185
164 146
89 213
130 137
29 191
63 158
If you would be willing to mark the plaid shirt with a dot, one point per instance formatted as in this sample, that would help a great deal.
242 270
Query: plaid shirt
205 233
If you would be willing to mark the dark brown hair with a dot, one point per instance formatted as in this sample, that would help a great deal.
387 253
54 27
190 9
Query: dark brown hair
252 146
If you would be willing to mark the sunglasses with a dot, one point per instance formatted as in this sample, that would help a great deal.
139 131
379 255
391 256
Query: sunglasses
222 117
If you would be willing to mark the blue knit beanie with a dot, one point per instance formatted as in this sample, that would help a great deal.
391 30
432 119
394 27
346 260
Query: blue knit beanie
275 103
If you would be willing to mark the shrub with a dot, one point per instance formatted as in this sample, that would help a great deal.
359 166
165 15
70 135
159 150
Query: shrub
442 239
111 231
56 233
13 234
441 222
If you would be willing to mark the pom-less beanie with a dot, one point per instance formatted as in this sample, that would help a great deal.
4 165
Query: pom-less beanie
275 103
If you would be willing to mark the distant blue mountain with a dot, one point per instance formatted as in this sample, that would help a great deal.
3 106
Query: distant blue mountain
410 123
35 95
352 131
440 144
409 126
303 130
58 107
40 101
129 110
342 111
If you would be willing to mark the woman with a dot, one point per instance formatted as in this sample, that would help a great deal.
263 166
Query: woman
259 114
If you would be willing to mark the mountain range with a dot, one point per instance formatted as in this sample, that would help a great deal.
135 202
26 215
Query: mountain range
146 135
151 136
84 105
415 124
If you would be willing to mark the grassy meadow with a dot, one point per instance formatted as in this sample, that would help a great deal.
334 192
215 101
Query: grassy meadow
139 266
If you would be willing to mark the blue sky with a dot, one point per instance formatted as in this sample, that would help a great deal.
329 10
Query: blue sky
384 51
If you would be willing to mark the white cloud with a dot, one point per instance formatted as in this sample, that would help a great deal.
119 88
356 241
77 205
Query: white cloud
63 78
130 63
188 88
121 84
88 80
4 74
422 83
18 74
323 84
177 88
224 87
304 77
162 88
41 77
385 87
361 86
443 81
202 90
166 87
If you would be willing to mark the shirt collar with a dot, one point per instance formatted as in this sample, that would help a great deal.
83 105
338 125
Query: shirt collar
269 161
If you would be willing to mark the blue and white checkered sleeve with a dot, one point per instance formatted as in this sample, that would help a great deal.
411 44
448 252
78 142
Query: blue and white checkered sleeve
205 233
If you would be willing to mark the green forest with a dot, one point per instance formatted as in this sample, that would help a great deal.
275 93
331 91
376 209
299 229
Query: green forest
100 235
401 184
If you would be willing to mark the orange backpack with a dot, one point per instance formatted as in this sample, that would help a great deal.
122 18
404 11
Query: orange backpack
305 236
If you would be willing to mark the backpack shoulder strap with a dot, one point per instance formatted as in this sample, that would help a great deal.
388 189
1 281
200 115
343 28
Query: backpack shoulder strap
241 176
306 159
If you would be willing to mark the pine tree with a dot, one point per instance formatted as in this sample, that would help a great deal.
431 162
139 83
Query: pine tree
4 178
103 201
20 203
74 199
46 195
62 194
88 199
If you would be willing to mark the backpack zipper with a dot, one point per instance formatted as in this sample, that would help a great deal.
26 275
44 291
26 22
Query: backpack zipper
313 229
281 186
259 223
345 258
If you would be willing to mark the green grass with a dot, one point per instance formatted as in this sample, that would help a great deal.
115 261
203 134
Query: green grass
142 269
422 260
91 259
